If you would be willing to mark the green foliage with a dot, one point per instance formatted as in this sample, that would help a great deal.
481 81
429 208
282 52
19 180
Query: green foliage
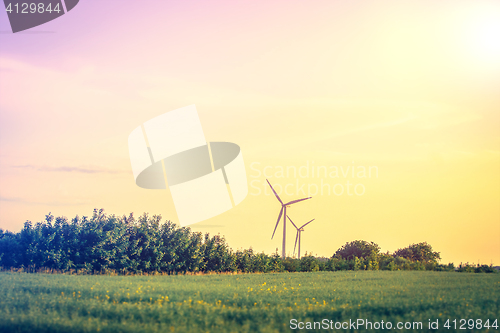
419 252
357 248
308 263
387 262
470 268
107 243
291 264
445 268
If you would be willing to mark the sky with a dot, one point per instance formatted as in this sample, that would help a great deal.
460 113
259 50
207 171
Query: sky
408 90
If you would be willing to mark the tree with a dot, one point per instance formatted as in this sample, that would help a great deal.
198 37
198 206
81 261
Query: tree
217 255
357 248
104 242
419 252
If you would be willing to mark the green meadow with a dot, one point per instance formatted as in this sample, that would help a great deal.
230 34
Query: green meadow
246 302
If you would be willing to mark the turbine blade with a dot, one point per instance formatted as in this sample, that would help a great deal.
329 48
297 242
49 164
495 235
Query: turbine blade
277 222
307 223
276 194
292 222
295 201
296 239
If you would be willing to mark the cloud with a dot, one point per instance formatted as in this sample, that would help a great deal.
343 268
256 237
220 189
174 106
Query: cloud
88 170
43 203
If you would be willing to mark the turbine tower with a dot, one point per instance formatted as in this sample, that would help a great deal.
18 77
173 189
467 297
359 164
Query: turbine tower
283 212
299 231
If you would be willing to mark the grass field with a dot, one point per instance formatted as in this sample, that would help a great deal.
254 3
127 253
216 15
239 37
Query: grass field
242 303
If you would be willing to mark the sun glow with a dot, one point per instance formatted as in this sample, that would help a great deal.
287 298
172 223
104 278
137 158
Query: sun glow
488 38
483 34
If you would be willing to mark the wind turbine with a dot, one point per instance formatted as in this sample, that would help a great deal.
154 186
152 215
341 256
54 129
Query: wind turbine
299 230
283 212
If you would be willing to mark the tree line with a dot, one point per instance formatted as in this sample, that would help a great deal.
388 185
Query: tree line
103 243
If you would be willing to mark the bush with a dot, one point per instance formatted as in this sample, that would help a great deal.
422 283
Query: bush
357 248
291 264
402 263
308 263
419 252
467 268
484 269
386 262
337 264
446 268
107 243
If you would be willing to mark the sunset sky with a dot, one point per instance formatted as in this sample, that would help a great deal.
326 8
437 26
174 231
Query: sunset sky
410 88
